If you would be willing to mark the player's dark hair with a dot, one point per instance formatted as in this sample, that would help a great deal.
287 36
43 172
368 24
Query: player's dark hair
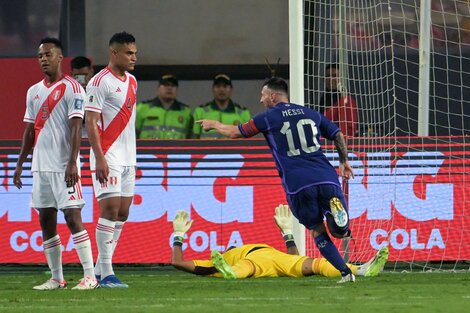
122 38
56 42
80 62
277 84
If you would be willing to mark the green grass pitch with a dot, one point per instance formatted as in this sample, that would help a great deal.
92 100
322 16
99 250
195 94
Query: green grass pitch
166 290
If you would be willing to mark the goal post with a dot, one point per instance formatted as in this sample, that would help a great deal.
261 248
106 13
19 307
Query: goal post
406 63
296 81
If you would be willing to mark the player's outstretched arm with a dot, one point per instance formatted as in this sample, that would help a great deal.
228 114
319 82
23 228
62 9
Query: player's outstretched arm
181 225
345 169
283 219
230 131
26 147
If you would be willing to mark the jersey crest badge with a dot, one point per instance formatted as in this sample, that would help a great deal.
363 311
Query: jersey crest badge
56 95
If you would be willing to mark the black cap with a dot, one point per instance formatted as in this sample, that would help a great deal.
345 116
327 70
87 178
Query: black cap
168 80
222 79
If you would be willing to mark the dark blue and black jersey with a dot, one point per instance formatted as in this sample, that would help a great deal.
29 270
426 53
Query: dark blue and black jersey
293 135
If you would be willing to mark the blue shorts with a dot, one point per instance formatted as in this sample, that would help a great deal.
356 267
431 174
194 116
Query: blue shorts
311 204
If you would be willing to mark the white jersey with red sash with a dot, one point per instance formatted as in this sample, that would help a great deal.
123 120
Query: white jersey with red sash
114 99
50 107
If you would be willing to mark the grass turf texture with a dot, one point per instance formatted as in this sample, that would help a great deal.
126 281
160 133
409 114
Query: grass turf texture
166 290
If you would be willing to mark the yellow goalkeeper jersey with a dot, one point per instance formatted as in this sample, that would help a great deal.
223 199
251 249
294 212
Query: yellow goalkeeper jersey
268 261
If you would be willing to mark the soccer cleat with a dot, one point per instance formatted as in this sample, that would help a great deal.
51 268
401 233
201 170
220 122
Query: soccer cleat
222 266
51 284
87 283
349 278
376 265
112 281
339 213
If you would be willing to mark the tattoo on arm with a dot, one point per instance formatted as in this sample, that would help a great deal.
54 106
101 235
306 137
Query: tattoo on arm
340 145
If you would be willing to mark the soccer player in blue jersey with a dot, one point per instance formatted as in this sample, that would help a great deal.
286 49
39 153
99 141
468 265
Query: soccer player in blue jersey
309 180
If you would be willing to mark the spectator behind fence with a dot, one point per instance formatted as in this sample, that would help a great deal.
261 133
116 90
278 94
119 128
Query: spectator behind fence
340 108
164 117
221 109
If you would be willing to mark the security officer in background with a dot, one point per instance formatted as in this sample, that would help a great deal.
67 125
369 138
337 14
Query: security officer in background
164 117
221 109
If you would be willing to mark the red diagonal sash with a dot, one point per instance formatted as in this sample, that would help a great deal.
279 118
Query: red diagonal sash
120 121
46 108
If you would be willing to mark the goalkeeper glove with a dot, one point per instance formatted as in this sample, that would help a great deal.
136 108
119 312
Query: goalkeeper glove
283 219
181 224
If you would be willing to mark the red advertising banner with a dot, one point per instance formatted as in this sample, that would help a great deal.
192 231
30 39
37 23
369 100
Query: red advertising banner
408 196
18 75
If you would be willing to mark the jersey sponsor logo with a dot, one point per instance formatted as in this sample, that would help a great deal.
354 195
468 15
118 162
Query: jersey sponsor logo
118 89
78 104
72 197
36 98
181 119
90 99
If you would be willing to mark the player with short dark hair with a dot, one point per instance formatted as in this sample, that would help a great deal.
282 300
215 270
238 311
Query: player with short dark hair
262 260
110 124
122 38
54 41
54 113
309 180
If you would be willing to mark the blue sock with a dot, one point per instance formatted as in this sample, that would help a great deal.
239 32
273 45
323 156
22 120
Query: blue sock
331 253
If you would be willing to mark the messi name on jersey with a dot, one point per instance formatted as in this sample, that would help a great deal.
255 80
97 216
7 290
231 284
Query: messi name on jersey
290 112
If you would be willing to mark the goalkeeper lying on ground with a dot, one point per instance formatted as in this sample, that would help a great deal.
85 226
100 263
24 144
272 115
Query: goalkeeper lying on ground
261 260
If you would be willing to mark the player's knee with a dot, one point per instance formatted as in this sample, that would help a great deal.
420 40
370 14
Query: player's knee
73 219
122 217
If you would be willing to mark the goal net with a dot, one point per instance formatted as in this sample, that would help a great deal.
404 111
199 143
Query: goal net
395 76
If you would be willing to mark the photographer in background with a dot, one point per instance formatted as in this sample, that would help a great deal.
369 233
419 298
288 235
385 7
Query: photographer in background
82 70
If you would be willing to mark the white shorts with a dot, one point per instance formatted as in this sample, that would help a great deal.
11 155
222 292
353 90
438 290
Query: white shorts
121 181
51 191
